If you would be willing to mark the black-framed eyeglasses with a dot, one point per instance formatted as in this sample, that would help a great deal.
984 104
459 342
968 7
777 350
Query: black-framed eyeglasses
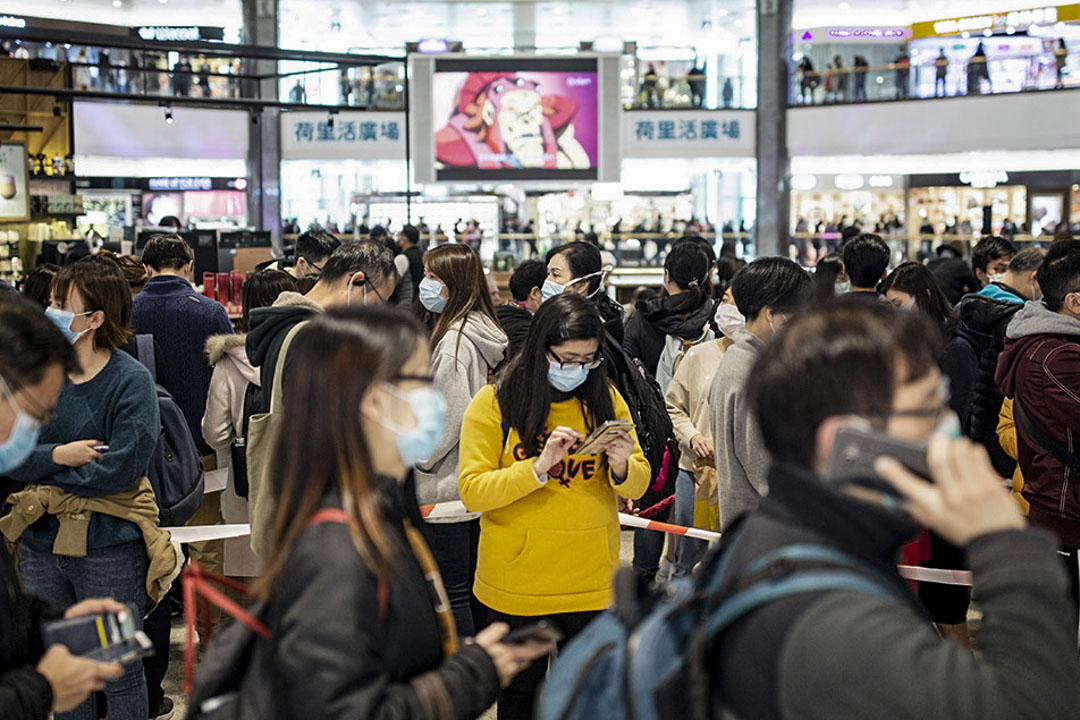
596 362
429 379
944 394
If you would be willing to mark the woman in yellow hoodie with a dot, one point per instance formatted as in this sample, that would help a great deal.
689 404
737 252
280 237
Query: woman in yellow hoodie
549 533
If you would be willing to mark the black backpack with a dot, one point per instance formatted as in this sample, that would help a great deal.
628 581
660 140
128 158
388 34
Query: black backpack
176 471
649 413
253 399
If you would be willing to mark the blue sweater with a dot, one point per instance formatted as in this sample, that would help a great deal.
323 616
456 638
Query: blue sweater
119 407
181 320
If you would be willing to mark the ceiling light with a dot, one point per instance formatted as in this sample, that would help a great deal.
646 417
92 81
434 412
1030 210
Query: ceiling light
117 3
482 11
844 6
560 10
168 113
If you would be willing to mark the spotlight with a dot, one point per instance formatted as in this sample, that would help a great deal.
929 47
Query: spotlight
56 111
330 119
168 114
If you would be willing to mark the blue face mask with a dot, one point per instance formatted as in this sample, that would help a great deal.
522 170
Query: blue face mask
23 438
429 408
63 319
552 288
431 295
566 379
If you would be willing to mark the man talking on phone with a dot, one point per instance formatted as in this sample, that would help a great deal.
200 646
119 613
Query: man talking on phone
855 654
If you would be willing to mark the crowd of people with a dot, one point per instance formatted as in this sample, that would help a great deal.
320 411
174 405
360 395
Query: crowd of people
414 459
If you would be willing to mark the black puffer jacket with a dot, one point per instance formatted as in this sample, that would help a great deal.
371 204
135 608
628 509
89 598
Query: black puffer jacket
655 319
334 655
25 694
986 319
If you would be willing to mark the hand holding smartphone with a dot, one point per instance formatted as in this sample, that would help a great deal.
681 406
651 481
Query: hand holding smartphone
107 637
540 632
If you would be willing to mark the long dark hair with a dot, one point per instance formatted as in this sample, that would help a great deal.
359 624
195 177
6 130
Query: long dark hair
914 279
523 390
688 267
460 268
333 361
826 272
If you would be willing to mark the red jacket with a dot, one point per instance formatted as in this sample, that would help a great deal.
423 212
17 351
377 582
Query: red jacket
1040 369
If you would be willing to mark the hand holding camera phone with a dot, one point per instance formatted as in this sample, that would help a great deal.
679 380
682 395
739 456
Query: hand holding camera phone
105 637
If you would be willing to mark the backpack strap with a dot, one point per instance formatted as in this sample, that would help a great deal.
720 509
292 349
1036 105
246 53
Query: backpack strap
1066 458
144 350
279 367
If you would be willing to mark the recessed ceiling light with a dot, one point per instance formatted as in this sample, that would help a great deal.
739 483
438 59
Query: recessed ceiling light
482 11
844 6
117 3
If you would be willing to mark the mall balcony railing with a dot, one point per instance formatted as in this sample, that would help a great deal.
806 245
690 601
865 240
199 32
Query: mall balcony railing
808 248
896 81
688 92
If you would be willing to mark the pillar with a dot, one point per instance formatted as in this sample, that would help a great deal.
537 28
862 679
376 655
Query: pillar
773 191
264 145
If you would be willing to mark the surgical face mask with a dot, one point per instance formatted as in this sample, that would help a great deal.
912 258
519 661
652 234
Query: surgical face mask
909 305
348 293
552 288
431 295
729 320
566 379
63 319
773 327
949 426
23 438
429 408
1000 278
842 288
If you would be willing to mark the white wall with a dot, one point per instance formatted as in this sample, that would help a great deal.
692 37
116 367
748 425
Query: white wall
129 131
1031 121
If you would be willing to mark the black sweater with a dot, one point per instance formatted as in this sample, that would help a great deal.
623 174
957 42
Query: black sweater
335 656
842 654
25 694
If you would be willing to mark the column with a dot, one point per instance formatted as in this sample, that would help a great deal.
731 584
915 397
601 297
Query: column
773 192
264 146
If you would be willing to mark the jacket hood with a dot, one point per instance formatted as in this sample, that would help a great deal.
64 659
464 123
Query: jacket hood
688 325
266 322
1037 319
219 347
485 334
983 314
1001 291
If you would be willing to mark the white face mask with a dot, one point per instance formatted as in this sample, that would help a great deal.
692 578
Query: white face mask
999 278
552 288
729 320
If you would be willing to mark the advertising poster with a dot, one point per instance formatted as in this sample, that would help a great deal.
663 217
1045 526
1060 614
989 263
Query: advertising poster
14 181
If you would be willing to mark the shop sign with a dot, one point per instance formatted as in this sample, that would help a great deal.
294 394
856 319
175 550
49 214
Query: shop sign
868 33
432 46
12 22
347 135
984 178
180 183
171 33
1003 21
690 133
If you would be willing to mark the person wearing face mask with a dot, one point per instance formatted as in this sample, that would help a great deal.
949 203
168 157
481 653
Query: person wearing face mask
846 653
468 345
34 357
549 535
577 267
766 292
988 314
912 287
358 617
687 401
97 444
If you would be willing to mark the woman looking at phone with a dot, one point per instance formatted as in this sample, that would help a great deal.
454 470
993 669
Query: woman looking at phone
359 623
549 533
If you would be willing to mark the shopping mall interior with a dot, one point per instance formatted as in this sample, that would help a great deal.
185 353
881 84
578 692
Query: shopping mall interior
768 131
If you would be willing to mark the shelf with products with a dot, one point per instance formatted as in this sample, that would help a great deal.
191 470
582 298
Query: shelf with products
11 268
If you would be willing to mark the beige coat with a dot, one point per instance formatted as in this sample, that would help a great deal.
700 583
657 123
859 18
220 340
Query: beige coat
688 396
221 424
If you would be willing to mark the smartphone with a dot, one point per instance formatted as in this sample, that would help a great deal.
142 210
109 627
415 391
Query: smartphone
594 443
102 449
854 452
110 637
540 632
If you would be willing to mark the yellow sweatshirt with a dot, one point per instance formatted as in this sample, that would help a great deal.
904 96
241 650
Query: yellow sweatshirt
544 547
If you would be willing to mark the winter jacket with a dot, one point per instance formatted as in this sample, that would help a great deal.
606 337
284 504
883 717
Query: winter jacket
223 423
1006 431
612 313
404 291
547 545
1040 370
959 364
269 326
181 320
742 462
986 318
334 655
463 361
687 397
849 655
25 694
654 320
515 321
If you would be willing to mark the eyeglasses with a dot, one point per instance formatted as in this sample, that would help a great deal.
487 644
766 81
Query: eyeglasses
596 362
944 394
427 379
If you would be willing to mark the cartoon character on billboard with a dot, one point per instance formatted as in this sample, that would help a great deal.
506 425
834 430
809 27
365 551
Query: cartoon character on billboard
504 121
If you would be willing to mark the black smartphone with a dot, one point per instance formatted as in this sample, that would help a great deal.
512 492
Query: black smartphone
854 452
540 632
111 637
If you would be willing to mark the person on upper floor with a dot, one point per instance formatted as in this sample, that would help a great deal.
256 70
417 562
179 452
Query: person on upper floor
467 347
663 328
767 292
356 609
866 260
516 315
180 320
549 540
35 681
577 267
96 445
1040 369
356 273
988 313
850 653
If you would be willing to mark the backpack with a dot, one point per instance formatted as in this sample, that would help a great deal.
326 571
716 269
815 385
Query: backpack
675 349
253 398
646 659
176 471
649 413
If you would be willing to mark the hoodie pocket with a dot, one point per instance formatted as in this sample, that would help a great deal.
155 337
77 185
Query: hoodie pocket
561 562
